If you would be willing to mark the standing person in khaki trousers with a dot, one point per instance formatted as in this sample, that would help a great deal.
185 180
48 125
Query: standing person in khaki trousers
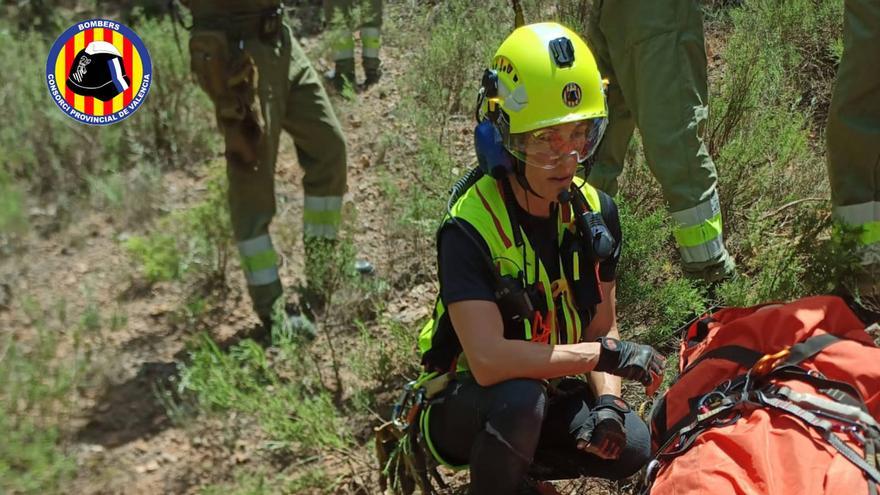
247 60
853 143
338 14
653 55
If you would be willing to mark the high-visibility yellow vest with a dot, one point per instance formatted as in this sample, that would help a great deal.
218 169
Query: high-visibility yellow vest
483 207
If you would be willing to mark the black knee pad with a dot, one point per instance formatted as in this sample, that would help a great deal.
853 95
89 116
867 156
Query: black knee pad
637 452
517 408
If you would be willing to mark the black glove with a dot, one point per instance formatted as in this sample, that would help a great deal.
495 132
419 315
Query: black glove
605 430
629 360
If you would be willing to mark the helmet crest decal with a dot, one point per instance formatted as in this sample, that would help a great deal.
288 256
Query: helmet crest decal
502 64
571 94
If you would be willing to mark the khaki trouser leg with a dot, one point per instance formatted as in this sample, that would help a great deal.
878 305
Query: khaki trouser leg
853 133
252 188
250 156
337 14
320 147
371 35
321 150
853 140
657 52
611 154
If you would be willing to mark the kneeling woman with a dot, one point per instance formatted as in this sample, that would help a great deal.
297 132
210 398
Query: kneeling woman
527 259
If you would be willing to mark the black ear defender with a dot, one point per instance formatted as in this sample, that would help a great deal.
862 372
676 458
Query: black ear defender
493 159
590 224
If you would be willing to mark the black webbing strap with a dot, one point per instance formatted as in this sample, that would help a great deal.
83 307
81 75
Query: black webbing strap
743 356
819 382
824 427
510 203
814 345
747 358
418 461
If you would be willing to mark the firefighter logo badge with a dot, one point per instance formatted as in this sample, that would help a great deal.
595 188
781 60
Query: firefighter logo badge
571 94
99 72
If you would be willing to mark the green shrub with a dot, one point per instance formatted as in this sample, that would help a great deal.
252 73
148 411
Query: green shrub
12 217
37 393
157 255
653 298
464 35
763 132
194 241
289 407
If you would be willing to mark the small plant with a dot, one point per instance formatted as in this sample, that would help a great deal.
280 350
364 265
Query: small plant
12 218
194 242
38 387
289 411
652 293
157 255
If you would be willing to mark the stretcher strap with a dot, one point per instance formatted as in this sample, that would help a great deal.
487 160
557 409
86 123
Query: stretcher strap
824 427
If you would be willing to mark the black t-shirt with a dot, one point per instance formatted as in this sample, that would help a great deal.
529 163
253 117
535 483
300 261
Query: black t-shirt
463 271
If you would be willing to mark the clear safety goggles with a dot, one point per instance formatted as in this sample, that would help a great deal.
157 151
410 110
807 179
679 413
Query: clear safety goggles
550 147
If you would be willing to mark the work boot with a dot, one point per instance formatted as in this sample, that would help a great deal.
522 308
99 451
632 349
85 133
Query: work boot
373 76
342 74
364 267
864 287
712 274
288 321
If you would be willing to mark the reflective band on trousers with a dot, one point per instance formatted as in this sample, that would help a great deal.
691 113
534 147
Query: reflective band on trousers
698 231
259 260
321 216
343 47
345 54
865 215
371 40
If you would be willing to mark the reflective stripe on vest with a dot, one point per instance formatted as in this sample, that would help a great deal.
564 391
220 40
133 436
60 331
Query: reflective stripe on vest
698 231
482 206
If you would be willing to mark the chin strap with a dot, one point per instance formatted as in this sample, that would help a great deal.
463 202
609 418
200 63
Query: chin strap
519 171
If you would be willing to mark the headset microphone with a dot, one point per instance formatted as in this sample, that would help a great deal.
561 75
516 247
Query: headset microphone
590 224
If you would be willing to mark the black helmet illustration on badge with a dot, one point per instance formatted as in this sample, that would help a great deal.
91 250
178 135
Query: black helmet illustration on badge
571 94
99 71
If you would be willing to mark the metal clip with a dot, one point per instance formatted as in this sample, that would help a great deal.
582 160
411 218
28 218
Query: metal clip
651 472
400 408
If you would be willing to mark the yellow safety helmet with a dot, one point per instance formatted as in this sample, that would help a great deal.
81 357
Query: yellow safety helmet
544 75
